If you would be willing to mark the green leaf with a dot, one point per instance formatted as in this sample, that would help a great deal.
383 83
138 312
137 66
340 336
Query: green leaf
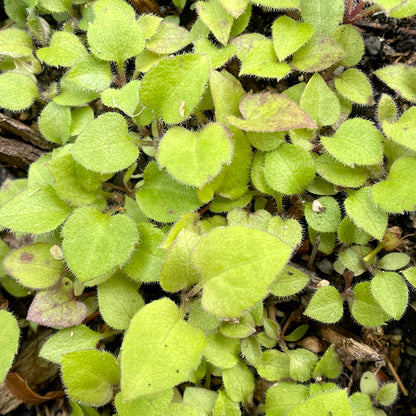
222 351
241 329
195 158
329 365
365 309
265 141
114 35
119 300
177 271
323 15
56 6
74 183
352 259
361 405
348 147
349 233
72 95
269 112
57 306
34 211
174 86
146 260
154 356
216 56
15 43
274 365
200 318
302 364
386 110
289 282
90 74
396 193
387 394
180 409
226 93
369 383
360 207
65 49
390 291
105 146
261 61
283 396
238 383
96 243
213 14
289 169
200 399
320 102
16 10
151 405
55 123
39 28
335 402
9 342
401 78
289 230
33 266
323 214
351 41
337 173
410 275
169 38
403 131
224 406
326 305
162 198
319 53
89 376
394 261
253 258
278 4
126 98
354 86
71 339
289 35
407 9
17 91
235 7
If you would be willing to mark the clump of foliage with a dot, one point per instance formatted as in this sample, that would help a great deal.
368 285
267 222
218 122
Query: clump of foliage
158 151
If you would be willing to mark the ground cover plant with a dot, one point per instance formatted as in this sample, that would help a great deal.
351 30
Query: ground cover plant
194 171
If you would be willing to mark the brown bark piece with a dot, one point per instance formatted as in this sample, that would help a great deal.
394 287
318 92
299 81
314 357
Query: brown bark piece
146 6
25 132
18 154
348 347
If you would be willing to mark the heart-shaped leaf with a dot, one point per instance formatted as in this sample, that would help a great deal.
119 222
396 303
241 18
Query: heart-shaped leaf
105 146
323 15
33 266
356 141
154 356
65 49
195 158
289 35
323 214
237 265
169 38
17 91
326 305
57 306
162 198
268 112
397 193
289 169
15 43
126 98
351 41
96 243
354 86
114 35
403 131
